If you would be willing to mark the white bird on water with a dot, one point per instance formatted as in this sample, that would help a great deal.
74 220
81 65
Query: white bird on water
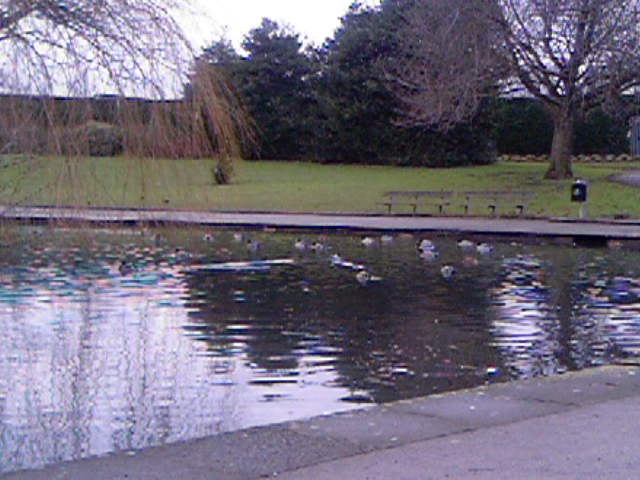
317 247
465 244
367 241
429 255
426 245
484 248
363 277
447 271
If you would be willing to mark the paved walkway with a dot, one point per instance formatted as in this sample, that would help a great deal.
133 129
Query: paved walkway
623 229
582 425
630 177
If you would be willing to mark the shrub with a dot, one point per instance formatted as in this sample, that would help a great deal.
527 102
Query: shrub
602 133
522 127
103 139
461 146
222 173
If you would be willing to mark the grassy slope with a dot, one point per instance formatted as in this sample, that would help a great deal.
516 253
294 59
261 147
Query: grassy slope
291 186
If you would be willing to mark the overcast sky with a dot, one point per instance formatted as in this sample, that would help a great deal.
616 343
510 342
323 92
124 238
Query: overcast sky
313 20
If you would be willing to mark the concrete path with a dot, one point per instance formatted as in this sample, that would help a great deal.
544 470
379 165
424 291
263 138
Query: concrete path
631 177
623 229
582 425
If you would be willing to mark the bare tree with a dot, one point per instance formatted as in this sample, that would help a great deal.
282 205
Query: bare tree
449 59
574 55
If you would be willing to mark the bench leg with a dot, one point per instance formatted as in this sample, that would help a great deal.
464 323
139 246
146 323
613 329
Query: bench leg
492 209
442 207
467 205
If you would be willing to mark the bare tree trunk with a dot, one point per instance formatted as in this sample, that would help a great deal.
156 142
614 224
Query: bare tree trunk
562 146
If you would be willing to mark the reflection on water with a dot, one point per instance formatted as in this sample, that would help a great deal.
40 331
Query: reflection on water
525 325
113 340
606 318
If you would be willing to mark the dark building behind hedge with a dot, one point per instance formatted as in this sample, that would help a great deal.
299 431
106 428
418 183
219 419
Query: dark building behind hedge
102 126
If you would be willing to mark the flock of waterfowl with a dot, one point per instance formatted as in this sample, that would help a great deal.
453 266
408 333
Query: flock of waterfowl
429 251
426 249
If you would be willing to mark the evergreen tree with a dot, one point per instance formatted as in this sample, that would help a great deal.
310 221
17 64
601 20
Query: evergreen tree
274 81
361 112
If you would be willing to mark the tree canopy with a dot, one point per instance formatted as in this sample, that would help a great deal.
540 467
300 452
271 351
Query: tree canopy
273 80
437 82
334 103
356 106
572 55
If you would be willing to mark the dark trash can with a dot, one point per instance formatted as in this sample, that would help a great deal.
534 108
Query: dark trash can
579 191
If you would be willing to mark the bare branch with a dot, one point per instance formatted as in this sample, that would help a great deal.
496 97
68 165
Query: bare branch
123 45
571 47
448 63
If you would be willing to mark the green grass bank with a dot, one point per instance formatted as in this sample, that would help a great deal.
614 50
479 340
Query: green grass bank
291 186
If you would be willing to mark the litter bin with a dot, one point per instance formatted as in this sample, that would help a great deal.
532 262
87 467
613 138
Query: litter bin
579 191
580 194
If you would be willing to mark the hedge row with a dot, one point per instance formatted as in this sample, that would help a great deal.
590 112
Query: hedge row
524 127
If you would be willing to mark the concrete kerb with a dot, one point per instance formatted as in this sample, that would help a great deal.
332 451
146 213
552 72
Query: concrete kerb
304 449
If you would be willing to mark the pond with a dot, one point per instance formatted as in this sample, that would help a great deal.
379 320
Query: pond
116 339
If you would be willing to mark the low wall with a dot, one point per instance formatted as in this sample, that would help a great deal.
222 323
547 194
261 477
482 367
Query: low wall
594 158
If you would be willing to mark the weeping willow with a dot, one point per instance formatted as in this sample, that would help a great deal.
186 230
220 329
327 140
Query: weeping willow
106 78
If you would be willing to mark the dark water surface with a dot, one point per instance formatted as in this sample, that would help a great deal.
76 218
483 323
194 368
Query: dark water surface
117 340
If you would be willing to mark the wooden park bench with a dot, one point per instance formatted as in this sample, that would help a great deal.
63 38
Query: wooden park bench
417 198
510 202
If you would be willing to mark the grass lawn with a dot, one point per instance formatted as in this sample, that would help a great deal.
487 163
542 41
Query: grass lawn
289 186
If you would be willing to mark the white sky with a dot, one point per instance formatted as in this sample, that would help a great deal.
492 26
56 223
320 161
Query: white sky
313 20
